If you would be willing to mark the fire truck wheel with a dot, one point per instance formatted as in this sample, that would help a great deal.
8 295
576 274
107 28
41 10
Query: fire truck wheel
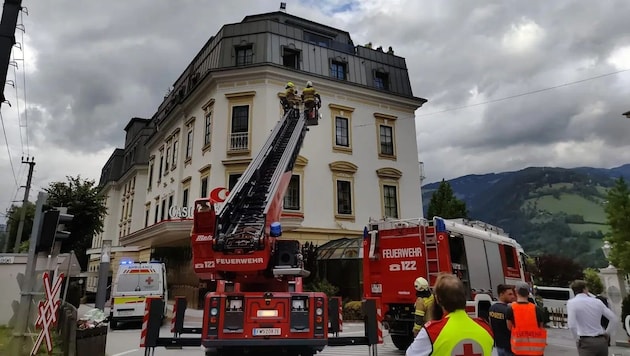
212 352
402 342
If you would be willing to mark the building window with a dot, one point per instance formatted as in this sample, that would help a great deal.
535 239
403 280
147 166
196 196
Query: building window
163 210
387 140
244 55
341 132
390 201
189 144
239 139
291 58
170 205
341 118
292 196
161 165
381 80
386 135
204 187
175 153
233 179
207 129
338 70
343 177
151 164
388 181
167 159
185 198
317 39
344 197
157 212
147 212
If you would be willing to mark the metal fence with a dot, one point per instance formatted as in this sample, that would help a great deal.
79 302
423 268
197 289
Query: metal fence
67 329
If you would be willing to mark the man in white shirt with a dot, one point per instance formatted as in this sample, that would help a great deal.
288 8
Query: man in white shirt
584 314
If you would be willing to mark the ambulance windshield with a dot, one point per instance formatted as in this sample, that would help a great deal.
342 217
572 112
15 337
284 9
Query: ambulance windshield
138 282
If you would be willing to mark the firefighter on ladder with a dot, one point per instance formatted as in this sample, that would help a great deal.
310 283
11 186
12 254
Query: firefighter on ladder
312 101
424 304
290 98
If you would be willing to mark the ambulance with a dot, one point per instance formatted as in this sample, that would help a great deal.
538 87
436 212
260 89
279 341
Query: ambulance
133 284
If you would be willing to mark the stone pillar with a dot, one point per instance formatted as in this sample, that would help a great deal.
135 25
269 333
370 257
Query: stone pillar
615 289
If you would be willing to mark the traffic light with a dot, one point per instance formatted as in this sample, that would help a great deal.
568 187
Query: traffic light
53 228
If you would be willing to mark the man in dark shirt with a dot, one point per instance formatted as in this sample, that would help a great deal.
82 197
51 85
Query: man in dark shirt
498 321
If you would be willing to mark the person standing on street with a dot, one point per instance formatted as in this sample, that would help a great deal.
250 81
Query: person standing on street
584 315
498 322
525 322
424 304
456 333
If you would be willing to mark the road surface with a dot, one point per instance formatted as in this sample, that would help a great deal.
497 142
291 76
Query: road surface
125 342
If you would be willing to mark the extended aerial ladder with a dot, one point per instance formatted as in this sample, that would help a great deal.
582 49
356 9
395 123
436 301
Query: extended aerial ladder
238 244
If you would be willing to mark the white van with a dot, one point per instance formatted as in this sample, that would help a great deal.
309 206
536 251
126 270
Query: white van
555 298
133 284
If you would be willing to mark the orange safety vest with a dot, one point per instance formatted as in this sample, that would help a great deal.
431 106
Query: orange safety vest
527 337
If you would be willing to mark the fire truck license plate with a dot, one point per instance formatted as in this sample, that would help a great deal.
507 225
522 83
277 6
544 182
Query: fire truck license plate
266 331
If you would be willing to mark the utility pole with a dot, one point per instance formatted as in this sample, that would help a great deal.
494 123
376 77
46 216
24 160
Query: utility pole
26 300
7 38
18 237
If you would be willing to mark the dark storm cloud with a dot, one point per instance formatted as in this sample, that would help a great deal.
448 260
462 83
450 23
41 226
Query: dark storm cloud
463 53
100 63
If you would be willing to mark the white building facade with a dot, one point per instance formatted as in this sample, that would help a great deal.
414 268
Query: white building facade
360 162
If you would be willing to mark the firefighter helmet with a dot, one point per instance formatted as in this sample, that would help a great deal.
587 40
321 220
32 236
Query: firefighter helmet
289 85
309 84
421 284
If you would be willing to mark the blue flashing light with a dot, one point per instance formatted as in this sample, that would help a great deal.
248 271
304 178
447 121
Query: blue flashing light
275 229
126 262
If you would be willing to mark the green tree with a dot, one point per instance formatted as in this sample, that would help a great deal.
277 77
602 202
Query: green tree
593 282
14 221
445 205
618 217
81 198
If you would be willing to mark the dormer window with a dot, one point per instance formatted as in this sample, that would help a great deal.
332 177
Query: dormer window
381 80
291 58
244 55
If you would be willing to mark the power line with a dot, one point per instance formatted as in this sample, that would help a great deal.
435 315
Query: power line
17 101
28 151
8 149
524 94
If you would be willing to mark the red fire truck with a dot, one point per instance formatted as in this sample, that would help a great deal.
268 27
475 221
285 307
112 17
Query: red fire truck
396 252
259 304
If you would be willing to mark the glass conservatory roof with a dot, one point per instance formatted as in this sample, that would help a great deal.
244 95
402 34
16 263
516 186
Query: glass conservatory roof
343 248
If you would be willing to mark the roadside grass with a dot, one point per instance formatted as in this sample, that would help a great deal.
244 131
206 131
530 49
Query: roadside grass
6 334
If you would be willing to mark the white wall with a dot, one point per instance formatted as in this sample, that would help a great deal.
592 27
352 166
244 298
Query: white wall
12 265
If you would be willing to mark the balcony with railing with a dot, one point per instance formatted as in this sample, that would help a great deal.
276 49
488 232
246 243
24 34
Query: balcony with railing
239 142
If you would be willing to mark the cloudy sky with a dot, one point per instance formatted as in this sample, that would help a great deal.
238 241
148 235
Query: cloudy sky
91 65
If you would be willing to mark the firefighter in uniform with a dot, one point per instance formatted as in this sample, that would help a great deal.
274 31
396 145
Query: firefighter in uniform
290 99
456 333
311 100
424 304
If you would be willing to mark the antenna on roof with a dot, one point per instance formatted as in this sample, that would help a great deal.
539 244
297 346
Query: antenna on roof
283 6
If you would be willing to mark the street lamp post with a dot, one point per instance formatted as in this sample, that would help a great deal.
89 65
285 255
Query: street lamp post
103 274
614 285
606 249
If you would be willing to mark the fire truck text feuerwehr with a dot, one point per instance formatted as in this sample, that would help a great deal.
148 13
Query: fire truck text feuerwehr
239 261
402 252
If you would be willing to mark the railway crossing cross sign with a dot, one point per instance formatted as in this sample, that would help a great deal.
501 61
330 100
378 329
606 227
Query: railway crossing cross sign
47 312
